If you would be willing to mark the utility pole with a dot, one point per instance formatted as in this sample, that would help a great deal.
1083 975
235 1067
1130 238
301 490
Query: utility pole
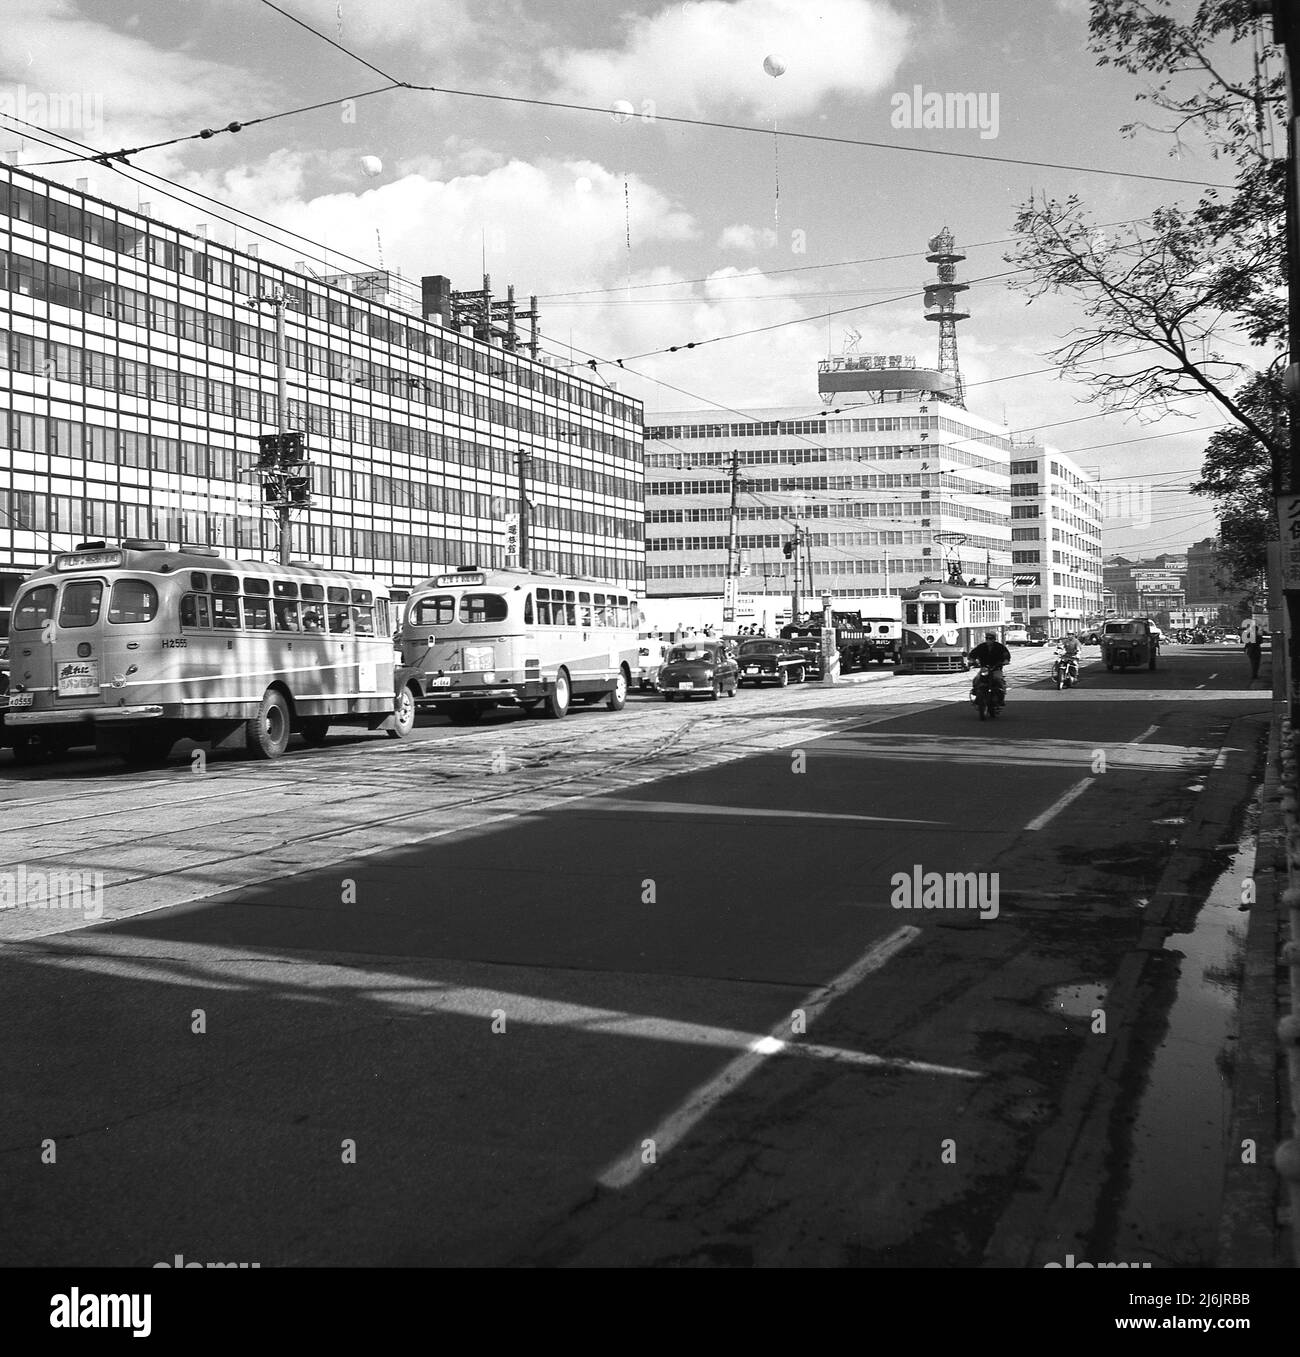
731 586
521 463
286 477
791 550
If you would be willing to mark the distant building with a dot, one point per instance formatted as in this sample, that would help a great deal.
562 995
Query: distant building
901 484
1056 520
1147 587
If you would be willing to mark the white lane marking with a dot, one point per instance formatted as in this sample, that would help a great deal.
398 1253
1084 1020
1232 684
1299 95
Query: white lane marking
698 1104
1059 805
1150 730
1210 679
704 810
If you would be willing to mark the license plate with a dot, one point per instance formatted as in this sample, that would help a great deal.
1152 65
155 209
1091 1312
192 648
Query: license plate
686 685
20 700
443 682
751 669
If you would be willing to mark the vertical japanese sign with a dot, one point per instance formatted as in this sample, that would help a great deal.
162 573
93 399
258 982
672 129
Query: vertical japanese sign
1288 517
511 535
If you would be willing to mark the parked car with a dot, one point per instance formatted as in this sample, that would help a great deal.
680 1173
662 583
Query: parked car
702 666
1090 638
1038 636
1016 636
651 657
766 661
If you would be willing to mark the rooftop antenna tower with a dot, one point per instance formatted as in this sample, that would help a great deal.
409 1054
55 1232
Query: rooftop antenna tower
941 306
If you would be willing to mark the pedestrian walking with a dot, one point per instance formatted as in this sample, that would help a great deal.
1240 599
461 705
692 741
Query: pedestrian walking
1253 642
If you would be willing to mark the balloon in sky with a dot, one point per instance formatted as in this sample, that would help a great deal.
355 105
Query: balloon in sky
371 165
621 111
774 65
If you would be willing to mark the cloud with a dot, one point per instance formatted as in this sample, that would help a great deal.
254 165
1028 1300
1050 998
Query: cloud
748 239
701 58
138 92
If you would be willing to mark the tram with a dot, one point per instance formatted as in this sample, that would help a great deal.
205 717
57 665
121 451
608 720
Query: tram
943 622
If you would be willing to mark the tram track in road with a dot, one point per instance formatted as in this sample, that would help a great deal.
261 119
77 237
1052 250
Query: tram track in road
194 859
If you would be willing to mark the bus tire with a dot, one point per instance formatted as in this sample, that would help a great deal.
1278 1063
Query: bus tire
29 750
617 698
560 696
314 730
403 714
266 736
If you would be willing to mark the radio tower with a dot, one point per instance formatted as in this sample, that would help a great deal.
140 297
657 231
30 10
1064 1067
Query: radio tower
941 306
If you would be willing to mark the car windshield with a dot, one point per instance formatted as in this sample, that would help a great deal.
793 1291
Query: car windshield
1123 628
699 654
760 647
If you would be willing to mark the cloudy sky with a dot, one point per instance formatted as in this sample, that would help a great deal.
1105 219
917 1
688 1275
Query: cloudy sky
639 232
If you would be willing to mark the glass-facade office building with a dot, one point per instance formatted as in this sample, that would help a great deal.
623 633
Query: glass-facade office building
135 380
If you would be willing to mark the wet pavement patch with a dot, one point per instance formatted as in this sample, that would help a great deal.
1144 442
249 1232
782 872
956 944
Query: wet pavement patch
1077 1001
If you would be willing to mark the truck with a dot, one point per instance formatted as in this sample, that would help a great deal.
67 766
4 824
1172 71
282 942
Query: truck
859 640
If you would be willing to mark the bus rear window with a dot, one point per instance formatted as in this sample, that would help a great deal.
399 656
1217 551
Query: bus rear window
133 601
80 604
482 608
434 610
34 608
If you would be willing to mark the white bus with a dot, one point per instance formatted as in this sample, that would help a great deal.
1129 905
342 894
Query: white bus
476 639
136 646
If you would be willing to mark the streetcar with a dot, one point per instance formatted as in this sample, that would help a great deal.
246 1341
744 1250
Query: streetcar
474 639
943 622
135 646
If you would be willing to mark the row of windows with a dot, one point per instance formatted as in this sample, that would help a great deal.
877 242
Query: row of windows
93 443
680 461
24 353
708 571
332 306
875 424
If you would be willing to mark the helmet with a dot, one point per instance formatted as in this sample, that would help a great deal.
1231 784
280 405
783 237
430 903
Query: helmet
990 636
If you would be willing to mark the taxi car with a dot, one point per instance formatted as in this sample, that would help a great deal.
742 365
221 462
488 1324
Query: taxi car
1129 643
764 660
701 666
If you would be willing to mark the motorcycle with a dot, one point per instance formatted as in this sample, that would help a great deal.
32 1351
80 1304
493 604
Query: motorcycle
988 691
1065 671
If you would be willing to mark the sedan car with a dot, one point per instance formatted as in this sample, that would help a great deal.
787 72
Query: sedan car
767 661
1015 636
702 666
1037 636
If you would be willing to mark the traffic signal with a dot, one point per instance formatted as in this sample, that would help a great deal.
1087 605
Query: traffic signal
788 549
297 489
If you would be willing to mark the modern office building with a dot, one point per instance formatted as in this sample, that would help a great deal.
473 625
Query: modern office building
135 380
1056 518
897 484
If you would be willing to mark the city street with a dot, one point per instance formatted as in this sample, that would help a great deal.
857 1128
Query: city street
660 987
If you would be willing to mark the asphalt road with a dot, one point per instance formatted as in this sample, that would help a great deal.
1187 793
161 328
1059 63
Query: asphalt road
631 989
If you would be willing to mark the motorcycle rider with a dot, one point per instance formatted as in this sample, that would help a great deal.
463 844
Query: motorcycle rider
993 654
1067 655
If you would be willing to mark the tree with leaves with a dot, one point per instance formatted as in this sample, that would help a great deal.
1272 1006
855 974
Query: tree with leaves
1162 298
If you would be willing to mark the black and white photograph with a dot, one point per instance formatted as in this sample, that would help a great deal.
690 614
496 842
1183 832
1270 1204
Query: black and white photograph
650 636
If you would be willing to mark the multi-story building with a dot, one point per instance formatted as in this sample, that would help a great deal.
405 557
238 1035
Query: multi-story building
135 379
1056 518
903 485
1146 588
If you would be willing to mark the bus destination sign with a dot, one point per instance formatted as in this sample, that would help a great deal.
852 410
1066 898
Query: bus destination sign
89 560
451 581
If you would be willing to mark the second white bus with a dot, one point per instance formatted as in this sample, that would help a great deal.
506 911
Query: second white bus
476 639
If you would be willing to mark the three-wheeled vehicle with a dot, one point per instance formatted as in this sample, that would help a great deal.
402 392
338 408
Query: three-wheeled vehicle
1129 643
